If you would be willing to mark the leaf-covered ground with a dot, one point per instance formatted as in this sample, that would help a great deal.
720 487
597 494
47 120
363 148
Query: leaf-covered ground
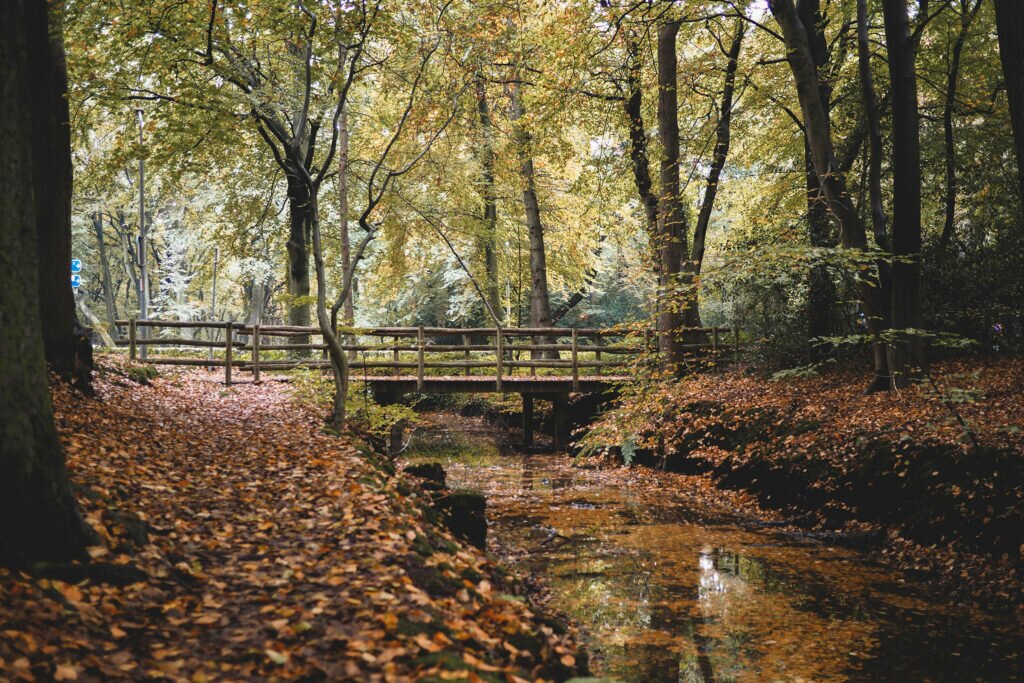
937 469
272 550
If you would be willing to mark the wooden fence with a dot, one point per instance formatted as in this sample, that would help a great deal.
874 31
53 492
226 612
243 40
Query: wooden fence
397 351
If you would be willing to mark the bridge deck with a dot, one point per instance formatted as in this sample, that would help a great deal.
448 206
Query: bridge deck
455 384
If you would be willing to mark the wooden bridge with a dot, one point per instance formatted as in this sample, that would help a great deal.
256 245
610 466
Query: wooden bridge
545 363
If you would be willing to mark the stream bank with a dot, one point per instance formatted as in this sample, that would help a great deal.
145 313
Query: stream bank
672 579
931 476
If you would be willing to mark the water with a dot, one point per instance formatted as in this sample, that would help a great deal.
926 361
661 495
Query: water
669 587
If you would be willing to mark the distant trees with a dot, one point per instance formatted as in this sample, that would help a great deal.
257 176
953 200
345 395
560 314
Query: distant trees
39 519
595 132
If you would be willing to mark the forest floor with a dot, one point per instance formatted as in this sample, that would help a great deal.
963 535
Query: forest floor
931 477
272 550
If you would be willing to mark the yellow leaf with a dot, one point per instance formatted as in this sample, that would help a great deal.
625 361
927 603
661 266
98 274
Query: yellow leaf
65 672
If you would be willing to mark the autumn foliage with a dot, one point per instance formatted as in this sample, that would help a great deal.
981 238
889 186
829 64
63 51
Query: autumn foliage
934 471
269 550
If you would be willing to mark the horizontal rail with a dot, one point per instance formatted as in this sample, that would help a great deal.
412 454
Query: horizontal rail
284 330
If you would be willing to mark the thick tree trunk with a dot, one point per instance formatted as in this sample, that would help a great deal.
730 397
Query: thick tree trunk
675 294
490 218
299 210
821 289
1010 27
63 337
39 518
906 356
540 302
819 141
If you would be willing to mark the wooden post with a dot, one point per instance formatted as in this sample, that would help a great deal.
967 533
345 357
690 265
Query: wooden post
736 343
419 360
500 346
131 339
395 355
575 360
229 344
256 354
714 341
598 340
465 354
533 368
527 420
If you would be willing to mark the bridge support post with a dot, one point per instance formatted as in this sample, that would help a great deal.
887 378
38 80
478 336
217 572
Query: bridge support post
527 420
560 421
396 438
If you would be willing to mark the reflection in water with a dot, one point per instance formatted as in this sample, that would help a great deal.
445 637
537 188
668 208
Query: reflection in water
666 589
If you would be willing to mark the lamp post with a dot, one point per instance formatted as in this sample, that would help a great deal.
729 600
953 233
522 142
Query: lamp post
143 277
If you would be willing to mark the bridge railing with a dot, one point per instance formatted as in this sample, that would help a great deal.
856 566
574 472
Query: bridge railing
420 352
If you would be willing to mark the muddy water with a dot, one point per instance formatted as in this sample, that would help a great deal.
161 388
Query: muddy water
667 586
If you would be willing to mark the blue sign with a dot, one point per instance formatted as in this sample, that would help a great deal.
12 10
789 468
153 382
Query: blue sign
76 265
76 281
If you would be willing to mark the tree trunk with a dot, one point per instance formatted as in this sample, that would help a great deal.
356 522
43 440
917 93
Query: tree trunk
540 302
1010 27
821 291
948 112
299 213
348 307
490 224
721 152
39 517
818 135
906 355
337 355
675 292
97 324
883 291
65 340
108 289
633 105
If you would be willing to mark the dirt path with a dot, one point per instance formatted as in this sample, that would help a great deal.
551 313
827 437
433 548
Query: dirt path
273 551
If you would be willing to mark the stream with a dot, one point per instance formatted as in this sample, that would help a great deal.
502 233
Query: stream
667 585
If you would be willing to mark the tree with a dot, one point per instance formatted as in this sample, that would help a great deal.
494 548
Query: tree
672 239
68 348
1010 28
489 237
906 353
378 182
818 134
39 518
967 14
540 301
722 142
